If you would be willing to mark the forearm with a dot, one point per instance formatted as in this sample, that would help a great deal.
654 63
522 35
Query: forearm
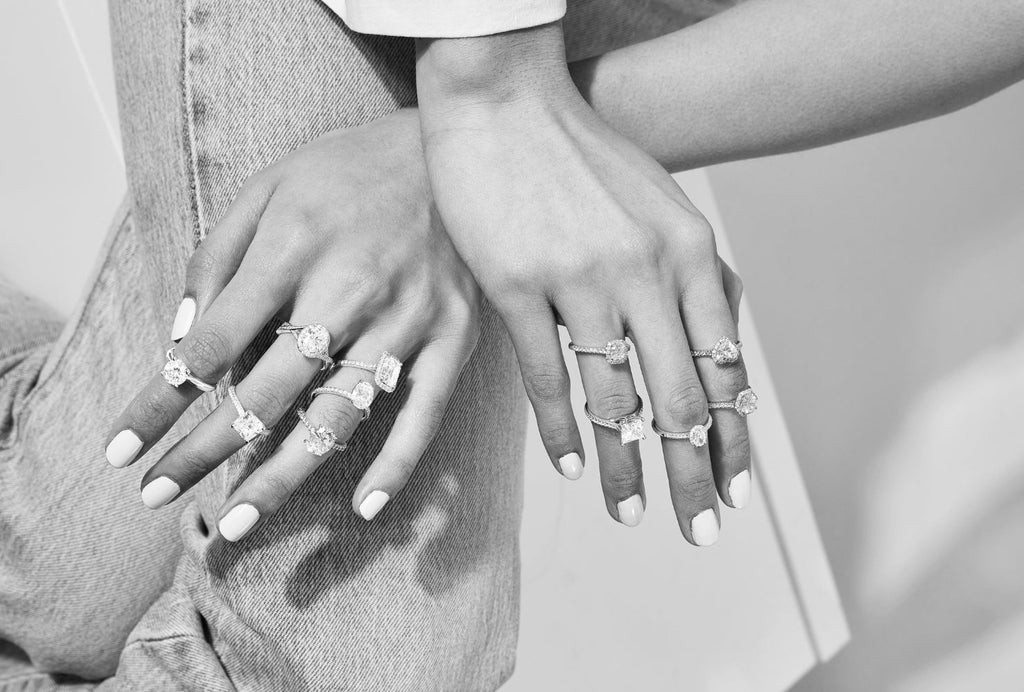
772 76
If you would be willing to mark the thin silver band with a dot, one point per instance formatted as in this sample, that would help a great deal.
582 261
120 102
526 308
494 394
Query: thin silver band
744 404
199 384
696 436
616 351
339 392
386 369
323 434
630 427
709 353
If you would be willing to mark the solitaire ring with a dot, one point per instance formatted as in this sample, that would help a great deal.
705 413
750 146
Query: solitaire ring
176 373
312 340
630 427
361 395
385 370
247 425
744 404
616 352
724 352
321 439
697 435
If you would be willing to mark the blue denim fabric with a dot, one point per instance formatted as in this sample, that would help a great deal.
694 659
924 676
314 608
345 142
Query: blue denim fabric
95 585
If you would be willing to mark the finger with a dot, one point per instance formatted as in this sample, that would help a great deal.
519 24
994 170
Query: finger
209 350
330 421
678 404
733 286
708 319
217 258
542 363
611 395
268 392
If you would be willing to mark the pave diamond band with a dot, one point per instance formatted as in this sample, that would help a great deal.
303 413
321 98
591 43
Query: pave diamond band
724 352
176 373
630 427
247 425
697 435
321 439
744 404
385 370
615 352
312 340
361 395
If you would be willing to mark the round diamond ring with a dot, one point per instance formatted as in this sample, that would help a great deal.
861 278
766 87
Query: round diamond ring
630 427
176 373
697 435
724 352
615 352
247 425
321 439
744 404
361 395
312 340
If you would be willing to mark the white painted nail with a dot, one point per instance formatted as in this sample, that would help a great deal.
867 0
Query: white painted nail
739 489
183 320
571 465
123 449
631 510
159 491
704 527
238 521
372 504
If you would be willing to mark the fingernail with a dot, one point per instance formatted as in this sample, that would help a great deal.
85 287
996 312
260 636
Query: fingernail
631 510
739 489
571 465
372 504
159 491
238 521
123 449
183 320
704 527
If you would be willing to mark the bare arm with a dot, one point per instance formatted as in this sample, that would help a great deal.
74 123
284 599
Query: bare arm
772 76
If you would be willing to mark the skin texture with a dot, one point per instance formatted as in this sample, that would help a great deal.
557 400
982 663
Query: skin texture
592 230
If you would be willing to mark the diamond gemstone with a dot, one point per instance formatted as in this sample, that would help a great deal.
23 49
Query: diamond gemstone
388 369
314 341
320 441
175 372
698 436
248 426
616 352
725 352
362 395
746 402
631 429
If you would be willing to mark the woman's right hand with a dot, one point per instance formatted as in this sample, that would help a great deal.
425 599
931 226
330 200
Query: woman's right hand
560 219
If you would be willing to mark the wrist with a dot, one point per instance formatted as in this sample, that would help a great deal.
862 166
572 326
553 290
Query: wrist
491 69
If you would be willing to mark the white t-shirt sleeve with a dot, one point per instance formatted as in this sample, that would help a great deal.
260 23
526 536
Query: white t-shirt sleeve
445 18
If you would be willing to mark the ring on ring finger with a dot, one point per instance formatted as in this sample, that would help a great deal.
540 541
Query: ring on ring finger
361 395
697 435
385 370
321 439
312 340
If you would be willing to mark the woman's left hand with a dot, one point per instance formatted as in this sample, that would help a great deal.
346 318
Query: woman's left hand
340 233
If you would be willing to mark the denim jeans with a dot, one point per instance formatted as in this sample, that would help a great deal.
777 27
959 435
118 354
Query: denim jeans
94 586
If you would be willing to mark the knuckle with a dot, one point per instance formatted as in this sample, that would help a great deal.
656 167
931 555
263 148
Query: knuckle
686 404
698 487
275 488
430 416
155 409
559 436
202 265
622 479
731 379
736 449
205 352
547 386
403 467
615 403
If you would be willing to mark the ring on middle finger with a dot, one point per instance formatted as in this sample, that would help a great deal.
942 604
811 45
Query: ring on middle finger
321 439
724 352
697 435
247 425
361 395
615 352
385 370
630 427
312 340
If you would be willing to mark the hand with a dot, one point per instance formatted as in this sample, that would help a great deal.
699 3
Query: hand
562 220
339 232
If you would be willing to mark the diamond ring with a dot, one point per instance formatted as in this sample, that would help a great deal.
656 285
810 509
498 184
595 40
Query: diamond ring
361 395
744 404
615 352
385 370
724 352
312 340
176 373
630 427
321 439
247 425
697 435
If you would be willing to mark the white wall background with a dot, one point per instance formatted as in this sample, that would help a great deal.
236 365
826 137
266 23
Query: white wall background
885 277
